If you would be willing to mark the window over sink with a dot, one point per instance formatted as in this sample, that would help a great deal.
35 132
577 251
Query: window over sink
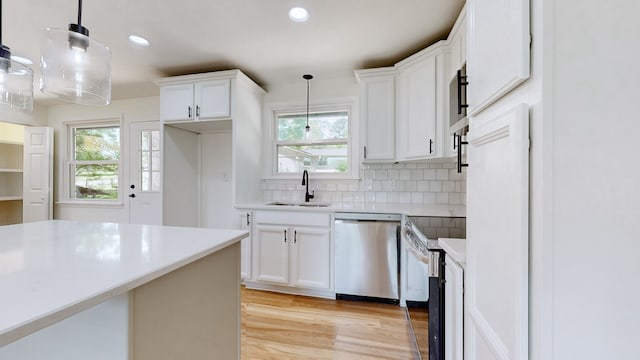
325 149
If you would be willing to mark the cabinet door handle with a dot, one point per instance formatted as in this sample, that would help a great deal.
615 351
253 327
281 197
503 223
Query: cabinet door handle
462 81
189 112
460 143
197 110
285 236
430 146
365 152
295 236
248 218
455 137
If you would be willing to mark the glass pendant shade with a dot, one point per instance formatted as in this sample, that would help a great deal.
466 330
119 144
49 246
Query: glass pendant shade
75 68
16 85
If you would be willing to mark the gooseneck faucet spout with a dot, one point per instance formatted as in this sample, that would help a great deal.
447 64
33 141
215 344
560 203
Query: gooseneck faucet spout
305 181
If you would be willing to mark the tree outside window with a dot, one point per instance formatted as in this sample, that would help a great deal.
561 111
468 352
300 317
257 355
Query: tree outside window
94 168
324 150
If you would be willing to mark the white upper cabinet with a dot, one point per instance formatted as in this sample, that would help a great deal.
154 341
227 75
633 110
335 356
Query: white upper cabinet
212 99
420 107
457 45
377 111
498 52
195 100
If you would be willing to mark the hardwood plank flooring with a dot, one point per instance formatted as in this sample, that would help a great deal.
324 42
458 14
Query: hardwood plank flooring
280 326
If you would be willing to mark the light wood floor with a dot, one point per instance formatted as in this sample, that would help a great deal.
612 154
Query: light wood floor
279 326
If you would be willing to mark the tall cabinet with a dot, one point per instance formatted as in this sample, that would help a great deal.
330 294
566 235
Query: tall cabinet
208 133
211 124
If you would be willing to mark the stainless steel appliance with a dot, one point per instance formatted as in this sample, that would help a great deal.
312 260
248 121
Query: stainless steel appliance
430 252
367 257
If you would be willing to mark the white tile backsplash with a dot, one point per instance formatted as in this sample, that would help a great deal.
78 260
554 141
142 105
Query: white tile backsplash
427 182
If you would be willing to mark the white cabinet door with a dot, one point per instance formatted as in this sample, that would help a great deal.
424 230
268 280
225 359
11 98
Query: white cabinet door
213 99
311 258
176 102
38 174
377 107
417 109
245 246
458 46
498 52
496 274
453 310
271 253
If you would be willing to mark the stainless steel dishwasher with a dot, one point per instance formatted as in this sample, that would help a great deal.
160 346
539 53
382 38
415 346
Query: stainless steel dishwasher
366 260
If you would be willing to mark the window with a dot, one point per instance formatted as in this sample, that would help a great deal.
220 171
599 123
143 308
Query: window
94 164
325 149
149 153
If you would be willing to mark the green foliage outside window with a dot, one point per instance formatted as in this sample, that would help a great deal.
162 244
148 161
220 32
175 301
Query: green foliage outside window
96 155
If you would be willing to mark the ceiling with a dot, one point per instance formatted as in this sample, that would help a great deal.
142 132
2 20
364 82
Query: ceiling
256 36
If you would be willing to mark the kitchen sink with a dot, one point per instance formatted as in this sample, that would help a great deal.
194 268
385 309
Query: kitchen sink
280 203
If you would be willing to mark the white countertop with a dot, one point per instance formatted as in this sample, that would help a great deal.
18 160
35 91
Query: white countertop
456 248
53 269
438 210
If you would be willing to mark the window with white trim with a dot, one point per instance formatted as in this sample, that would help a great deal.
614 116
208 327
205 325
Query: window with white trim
93 165
325 149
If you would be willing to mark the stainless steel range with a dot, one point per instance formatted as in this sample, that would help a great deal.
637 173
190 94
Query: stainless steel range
428 251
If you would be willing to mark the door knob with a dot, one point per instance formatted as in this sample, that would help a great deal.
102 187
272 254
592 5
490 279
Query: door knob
132 195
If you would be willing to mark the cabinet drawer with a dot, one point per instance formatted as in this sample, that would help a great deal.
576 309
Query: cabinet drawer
293 218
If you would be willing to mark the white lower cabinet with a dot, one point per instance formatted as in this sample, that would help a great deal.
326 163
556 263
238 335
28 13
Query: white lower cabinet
454 310
293 250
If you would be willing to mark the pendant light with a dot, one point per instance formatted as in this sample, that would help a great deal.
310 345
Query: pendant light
75 67
307 128
16 80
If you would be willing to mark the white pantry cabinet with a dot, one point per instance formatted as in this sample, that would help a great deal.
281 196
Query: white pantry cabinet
192 99
293 250
209 166
497 251
498 50
377 111
420 104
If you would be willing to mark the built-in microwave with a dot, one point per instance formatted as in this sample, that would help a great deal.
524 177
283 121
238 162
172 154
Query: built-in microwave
458 101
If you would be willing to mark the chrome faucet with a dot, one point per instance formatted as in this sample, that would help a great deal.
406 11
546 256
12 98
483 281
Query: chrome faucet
305 181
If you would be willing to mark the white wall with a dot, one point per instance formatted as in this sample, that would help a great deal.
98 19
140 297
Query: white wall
38 117
131 110
596 179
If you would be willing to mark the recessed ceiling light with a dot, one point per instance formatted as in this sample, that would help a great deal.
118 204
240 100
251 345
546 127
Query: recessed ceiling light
21 60
138 40
298 14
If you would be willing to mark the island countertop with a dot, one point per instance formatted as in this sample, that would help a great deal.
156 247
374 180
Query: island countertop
53 269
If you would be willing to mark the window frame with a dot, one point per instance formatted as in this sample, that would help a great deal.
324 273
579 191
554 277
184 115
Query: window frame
350 105
70 159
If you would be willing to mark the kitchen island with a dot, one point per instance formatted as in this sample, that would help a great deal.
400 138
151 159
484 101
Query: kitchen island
79 290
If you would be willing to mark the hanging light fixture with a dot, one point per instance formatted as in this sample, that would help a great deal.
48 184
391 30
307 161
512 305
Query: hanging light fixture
16 80
75 67
307 128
